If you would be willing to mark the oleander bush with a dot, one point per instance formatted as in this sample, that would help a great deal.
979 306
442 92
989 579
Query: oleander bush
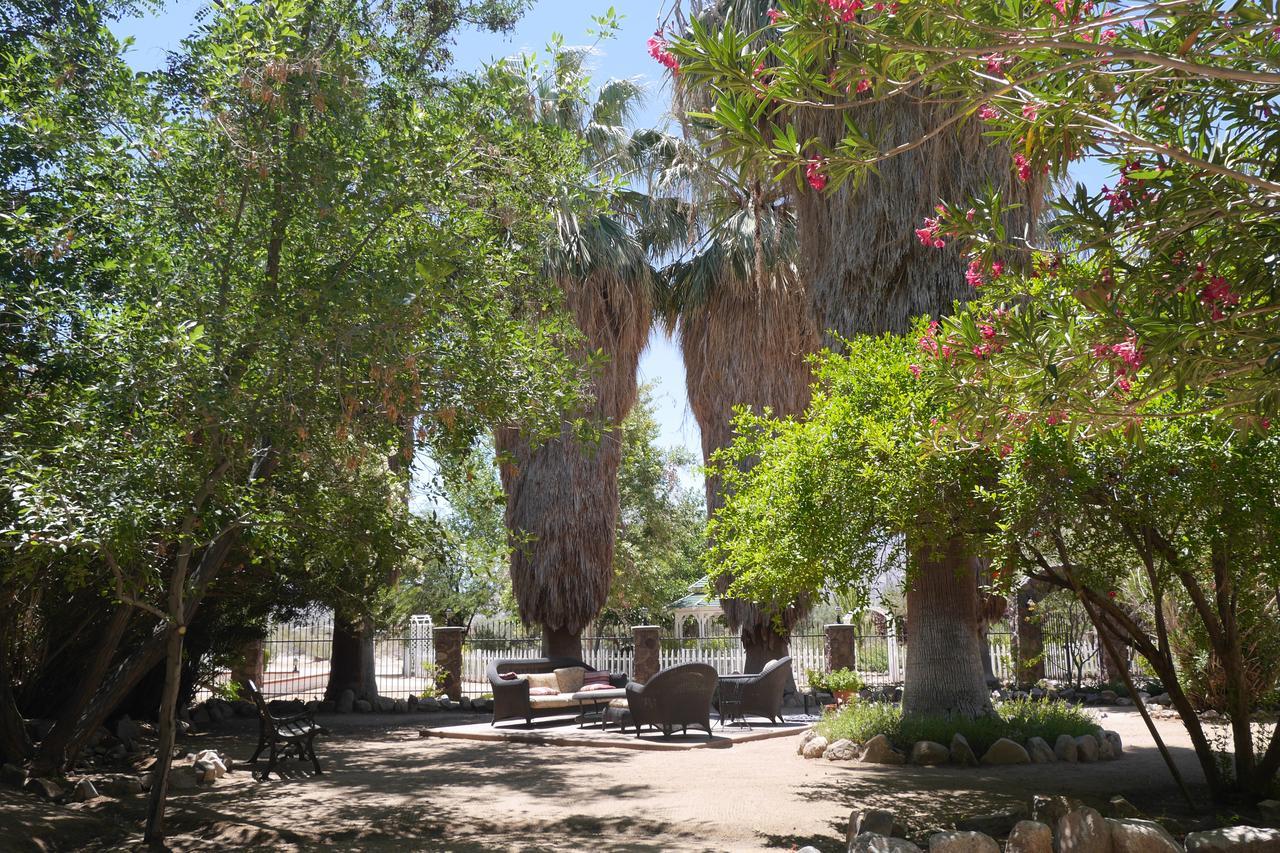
1018 720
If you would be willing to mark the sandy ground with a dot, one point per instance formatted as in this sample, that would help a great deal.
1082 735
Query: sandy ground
385 788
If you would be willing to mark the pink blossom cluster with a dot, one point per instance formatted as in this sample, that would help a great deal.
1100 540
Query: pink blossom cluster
1023 166
931 233
996 63
976 275
659 50
1030 110
1217 294
1126 355
846 10
1127 194
814 173
1061 9
986 112
776 15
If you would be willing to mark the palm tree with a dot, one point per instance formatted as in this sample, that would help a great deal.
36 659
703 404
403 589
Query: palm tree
865 273
562 493
742 319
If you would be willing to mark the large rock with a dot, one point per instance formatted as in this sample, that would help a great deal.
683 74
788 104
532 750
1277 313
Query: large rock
346 702
815 747
1117 745
1065 749
928 752
879 750
127 729
1029 836
870 842
84 791
1105 751
1087 748
364 706
996 824
428 703
1234 839
1005 751
401 706
874 821
805 736
1084 831
1132 835
482 706
120 785
384 704
961 752
1269 810
465 703
1040 751
41 787
842 750
1122 808
962 842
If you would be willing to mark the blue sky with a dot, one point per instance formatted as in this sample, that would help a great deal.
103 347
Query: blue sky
623 56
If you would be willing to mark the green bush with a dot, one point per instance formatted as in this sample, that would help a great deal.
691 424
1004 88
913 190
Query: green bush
1017 720
840 680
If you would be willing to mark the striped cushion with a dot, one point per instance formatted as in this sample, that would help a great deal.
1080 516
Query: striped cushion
595 678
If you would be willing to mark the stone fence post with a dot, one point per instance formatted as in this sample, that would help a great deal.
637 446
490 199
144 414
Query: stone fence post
448 642
648 645
840 646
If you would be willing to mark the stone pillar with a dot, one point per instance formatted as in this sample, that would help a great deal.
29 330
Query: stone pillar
1030 637
648 643
448 642
840 646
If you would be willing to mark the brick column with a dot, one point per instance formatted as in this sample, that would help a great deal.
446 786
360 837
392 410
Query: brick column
840 646
647 640
448 642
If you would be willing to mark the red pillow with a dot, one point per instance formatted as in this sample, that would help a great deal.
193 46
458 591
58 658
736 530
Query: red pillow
587 688
595 678
508 676
542 691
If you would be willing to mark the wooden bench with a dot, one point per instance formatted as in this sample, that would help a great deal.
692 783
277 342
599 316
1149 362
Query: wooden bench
293 735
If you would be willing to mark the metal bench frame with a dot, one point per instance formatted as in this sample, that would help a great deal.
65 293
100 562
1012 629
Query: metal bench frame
293 735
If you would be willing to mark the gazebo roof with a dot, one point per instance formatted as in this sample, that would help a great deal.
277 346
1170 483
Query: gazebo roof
699 597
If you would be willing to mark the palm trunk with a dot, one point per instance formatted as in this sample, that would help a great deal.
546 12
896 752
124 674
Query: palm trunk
944 667
561 643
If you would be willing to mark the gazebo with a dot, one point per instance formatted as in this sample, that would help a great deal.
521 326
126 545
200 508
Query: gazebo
699 604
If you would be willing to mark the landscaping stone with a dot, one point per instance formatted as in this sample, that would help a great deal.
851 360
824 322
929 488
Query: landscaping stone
1029 836
815 747
996 824
874 821
1113 738
84 791
805 736
127 729
447 704
483 706
842 750
364 706
1132 835
347 702
962 842
1270 812
401 706
385 704
200 716
42 787
1162 699
1005 751
1040 751
961 752
1107 697
429 703
1122 808
1105 751
1234 839
12 774
1065 749
1087 748
412 702
879 750
808 850
1084 831
120 786
928 752
870 842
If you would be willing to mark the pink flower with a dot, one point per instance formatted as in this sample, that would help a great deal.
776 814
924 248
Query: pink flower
863 85
997 268
969 214
915 370
814 175
986 112
987 331
997 63
975 275
1024 167
928 235
846 10
659 51
1108 36
1218 296
776 15
1030 110
1005 450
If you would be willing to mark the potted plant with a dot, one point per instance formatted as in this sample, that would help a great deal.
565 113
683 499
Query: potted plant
841 683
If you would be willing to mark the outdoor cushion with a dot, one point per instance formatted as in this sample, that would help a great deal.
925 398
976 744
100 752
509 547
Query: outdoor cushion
543 691
508 676
619 703
557 701
594 687
544 679
569 678
595 678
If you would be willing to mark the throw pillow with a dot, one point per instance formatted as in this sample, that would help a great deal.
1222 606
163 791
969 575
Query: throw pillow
542 691
595 678
569 678
508 676
587 688
544 679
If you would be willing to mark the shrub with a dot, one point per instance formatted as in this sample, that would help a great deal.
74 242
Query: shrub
842 680
1017 720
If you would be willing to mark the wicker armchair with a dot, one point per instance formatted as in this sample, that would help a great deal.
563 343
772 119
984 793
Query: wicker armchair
761 694
676 696
511 698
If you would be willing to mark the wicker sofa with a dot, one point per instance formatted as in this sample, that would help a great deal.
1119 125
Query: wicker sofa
511 697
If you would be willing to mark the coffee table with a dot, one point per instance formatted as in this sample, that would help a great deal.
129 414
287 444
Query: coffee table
591 703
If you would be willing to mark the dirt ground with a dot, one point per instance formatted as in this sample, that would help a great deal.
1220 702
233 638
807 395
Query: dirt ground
385 788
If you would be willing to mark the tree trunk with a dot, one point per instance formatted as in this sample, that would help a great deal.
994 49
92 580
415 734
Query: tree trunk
1030 632
164 750
351 663
15 746
561 643
944 668
252 663
762 644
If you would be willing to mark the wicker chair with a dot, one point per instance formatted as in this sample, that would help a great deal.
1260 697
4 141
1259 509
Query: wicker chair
511 698
676 696
762 693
